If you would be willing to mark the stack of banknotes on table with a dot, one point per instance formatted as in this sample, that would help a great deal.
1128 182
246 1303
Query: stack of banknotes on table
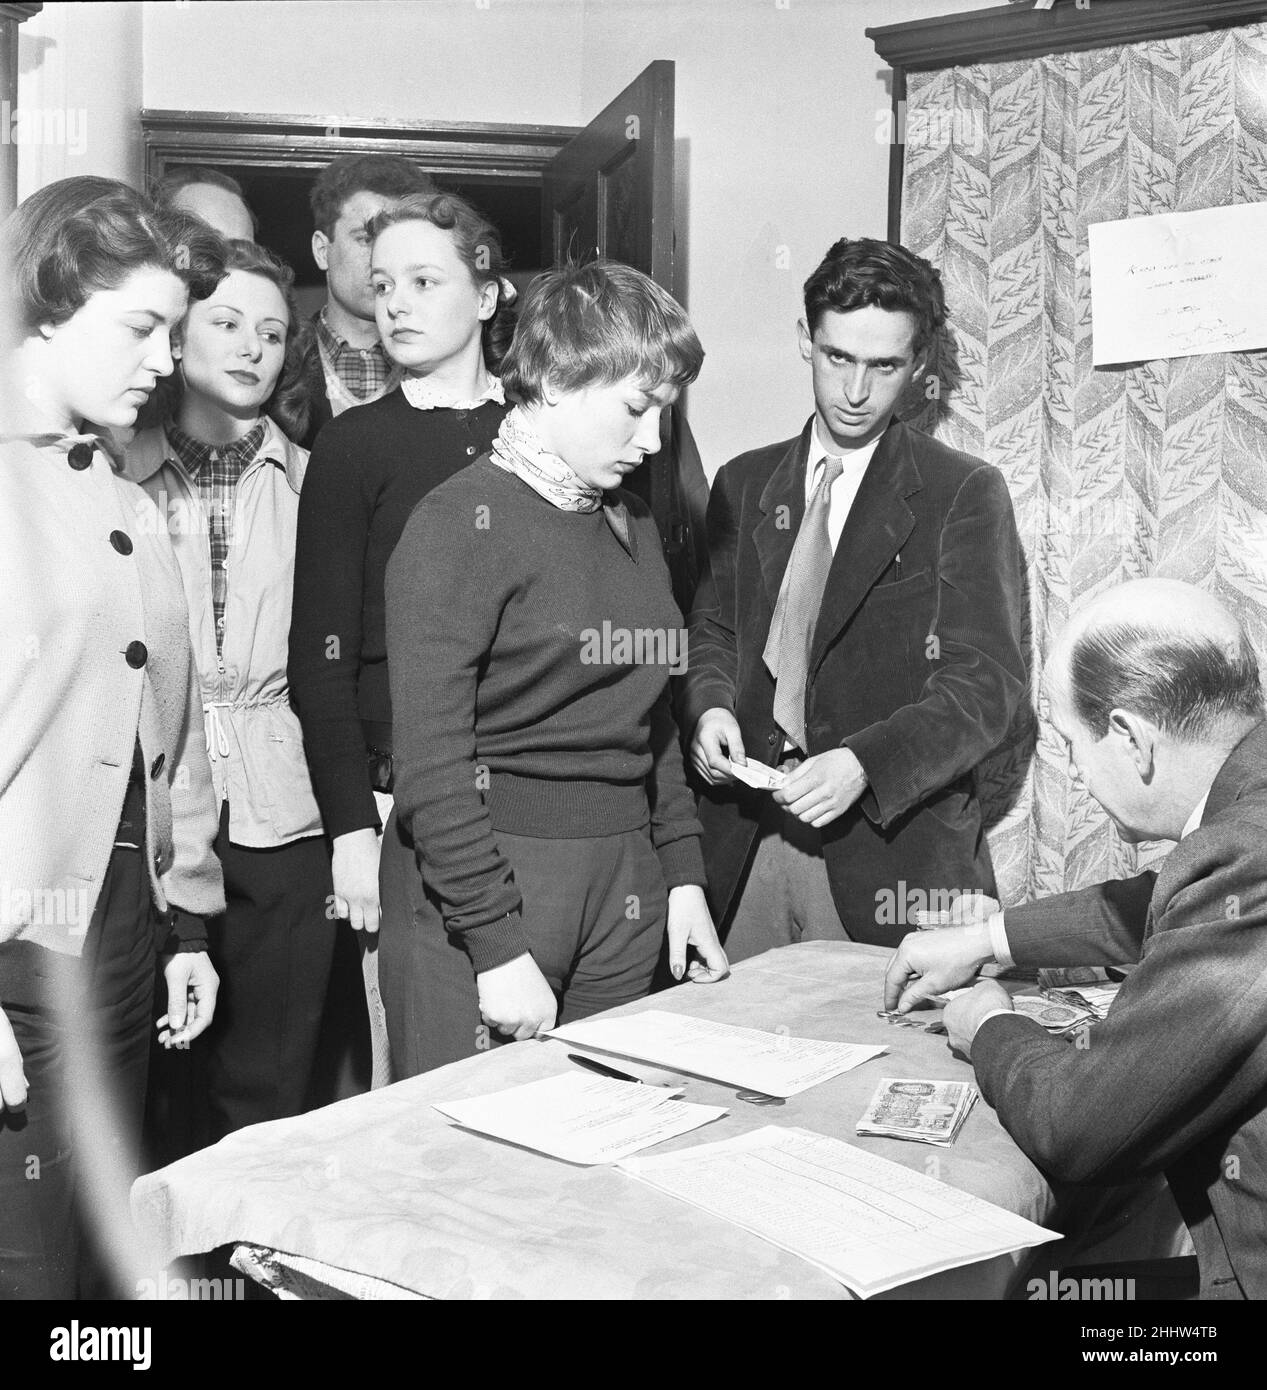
929 1112
1085 987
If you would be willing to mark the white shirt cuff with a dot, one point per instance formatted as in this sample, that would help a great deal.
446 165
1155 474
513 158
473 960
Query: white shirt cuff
998 940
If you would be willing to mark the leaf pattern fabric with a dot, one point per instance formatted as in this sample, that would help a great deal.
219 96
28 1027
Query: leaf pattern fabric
1158 468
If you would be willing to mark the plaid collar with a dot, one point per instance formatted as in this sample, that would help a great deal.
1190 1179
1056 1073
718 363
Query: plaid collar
362 370
229 459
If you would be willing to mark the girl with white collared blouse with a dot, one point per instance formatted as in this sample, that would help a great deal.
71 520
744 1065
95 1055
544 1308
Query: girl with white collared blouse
444 317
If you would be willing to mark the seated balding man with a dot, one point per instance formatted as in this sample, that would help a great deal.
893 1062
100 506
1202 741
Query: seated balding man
1155 689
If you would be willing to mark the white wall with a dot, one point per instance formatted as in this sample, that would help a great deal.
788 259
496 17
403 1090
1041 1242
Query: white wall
448 60
79 68
777 110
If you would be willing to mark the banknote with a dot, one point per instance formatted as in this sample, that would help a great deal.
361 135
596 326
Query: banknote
757 775
1096 998
928 1112
1053 1014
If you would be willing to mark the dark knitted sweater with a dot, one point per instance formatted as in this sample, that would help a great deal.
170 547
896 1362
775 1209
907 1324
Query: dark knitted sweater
370 467
518 705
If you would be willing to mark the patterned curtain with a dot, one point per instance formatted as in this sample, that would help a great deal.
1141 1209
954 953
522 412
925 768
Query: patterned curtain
1116 473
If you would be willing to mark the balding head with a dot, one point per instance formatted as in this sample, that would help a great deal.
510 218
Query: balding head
209 194
224 211
1164 650
1151 686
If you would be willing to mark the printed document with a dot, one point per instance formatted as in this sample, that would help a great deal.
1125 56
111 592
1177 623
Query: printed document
865 1221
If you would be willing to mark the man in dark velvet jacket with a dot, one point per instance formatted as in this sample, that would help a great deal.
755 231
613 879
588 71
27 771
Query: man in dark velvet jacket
902 667
1156 691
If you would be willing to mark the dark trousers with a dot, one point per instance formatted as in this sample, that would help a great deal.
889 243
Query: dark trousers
594 913
272 948
785 894
68 1158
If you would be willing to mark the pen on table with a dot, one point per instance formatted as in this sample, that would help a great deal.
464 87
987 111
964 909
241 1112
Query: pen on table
603 1069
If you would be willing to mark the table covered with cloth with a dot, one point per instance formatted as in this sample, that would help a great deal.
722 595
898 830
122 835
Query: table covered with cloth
381 1196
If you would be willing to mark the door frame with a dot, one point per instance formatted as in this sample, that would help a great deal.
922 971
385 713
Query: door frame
510 153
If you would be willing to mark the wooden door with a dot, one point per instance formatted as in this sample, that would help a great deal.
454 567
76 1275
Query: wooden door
609 190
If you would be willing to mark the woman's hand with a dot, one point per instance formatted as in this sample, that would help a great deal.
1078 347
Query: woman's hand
516 998
192 985
354 868
691 924
12 1074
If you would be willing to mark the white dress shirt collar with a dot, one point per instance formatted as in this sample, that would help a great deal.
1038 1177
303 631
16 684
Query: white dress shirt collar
1194 820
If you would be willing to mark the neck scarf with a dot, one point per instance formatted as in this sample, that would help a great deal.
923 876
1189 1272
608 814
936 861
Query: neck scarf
519 450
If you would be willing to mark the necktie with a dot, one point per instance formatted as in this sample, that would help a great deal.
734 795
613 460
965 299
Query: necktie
787 648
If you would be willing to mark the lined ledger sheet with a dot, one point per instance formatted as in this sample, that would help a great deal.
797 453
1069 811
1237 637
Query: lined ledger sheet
870 1223
775 1063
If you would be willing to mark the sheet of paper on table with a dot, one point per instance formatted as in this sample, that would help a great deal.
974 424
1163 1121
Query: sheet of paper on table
774 1063
1178 284
580 1117
870 1223
766 779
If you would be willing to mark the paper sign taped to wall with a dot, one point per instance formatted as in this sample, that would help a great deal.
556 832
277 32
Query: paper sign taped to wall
1179 284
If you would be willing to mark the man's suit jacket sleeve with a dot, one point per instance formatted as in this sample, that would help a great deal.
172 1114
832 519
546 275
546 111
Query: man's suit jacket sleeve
1103 925
1182 1051
712 647
974 651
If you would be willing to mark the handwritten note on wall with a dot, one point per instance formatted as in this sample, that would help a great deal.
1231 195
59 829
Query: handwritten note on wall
1179 284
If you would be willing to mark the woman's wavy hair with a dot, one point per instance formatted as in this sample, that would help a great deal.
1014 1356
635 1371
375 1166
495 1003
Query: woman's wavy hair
478 243
83 234
289 403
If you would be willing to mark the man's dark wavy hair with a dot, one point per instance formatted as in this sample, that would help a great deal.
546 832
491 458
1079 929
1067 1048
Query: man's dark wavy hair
388 175
855 274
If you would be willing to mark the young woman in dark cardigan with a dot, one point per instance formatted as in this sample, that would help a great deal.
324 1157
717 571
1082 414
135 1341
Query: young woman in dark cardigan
444 317
544 839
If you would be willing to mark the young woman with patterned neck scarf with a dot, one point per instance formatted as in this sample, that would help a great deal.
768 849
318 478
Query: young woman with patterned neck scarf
444 317
226 478
544 839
